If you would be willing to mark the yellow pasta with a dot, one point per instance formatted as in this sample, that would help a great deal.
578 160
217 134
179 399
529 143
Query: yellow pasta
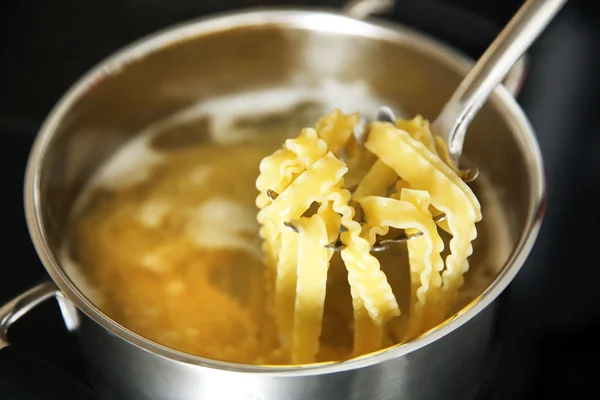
425 271
398 181
411 214
425 171
418 128
351 259
286 285
336 130
376 182
313 263
373 300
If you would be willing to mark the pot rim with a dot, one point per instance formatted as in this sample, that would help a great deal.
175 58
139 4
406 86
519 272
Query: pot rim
312 19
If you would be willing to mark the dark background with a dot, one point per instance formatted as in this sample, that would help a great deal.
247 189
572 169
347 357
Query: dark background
550 312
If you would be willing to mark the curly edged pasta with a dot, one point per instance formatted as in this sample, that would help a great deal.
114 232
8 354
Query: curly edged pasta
399 182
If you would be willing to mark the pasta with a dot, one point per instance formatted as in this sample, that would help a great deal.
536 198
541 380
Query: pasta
449 194
191 257
397 181
313 262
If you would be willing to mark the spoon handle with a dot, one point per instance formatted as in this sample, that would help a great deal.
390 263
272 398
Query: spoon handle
512 42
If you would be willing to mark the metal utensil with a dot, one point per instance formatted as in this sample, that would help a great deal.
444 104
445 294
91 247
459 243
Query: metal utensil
514 40
472 93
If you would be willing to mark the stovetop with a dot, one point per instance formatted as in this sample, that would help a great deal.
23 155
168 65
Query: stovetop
550 313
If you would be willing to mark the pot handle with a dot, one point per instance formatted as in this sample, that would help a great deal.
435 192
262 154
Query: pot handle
362 9
22 304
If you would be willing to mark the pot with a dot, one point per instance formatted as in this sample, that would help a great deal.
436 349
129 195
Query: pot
245 51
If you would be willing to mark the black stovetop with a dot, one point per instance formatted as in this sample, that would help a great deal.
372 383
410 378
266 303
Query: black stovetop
550 312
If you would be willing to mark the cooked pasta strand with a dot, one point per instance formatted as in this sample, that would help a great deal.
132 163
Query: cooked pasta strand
308 171
449 194
313 263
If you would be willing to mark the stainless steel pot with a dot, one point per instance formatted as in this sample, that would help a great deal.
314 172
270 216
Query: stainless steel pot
245 51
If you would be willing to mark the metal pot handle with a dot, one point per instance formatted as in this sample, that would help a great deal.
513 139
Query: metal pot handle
22 304
362 9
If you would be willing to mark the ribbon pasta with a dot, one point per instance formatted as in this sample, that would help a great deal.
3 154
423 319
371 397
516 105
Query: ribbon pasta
424 170
400 182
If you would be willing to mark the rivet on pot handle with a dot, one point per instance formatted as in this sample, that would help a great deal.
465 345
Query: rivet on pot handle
22 304
361 9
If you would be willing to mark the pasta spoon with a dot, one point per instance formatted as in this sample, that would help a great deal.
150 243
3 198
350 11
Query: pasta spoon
514 40
472 93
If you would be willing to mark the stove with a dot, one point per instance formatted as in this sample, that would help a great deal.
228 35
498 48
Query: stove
548 315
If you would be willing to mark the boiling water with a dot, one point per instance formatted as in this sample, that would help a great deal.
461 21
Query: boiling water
164 238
